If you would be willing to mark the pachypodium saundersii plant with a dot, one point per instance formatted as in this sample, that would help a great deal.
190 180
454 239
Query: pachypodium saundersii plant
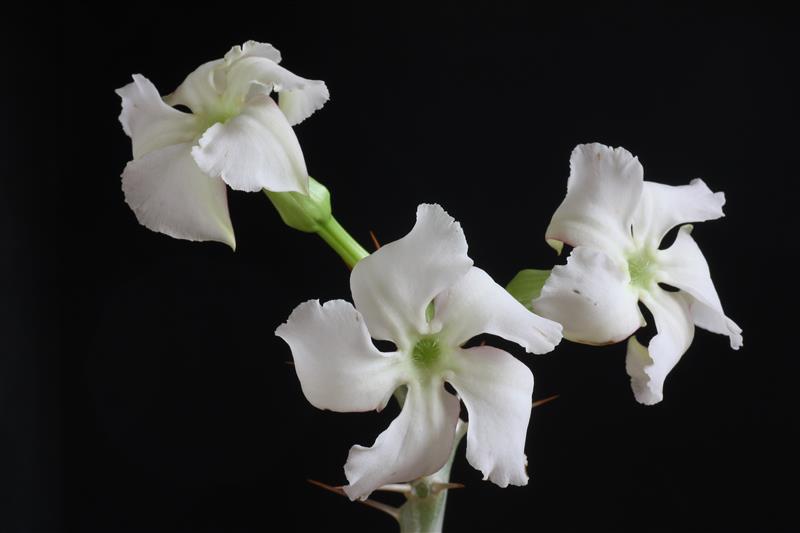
234 134
423 294
422 291
616 222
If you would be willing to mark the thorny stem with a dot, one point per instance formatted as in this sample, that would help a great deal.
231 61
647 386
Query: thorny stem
425 504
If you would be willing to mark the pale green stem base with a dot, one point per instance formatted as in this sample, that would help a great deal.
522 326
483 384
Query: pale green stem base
424 509
341 242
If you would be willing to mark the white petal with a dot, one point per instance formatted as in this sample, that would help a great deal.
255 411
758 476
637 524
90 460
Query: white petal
497 389
253 48
683 266
648 367
591 297
476 304
338 366
299 104
203 89
198 91
417 443
393 286
603 191
255 150
299 97
665 206
169 194
149 122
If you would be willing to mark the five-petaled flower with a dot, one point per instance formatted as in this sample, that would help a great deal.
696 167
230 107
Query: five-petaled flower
423 294
616 222
235 134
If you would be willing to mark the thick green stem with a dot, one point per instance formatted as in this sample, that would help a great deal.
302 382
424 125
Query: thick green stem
425 506
342 242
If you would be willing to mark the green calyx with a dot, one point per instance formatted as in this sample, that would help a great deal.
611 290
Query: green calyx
312 213
304 212
642 267
426 352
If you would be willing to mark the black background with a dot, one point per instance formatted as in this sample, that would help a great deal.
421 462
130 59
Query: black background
141 386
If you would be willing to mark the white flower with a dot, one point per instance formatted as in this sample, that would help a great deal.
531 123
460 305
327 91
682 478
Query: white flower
235 134
616 222
423 294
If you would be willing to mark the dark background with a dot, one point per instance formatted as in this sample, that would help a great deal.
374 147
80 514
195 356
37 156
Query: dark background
141 386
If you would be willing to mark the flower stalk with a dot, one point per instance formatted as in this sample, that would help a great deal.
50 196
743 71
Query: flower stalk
342 242
425 504
311 213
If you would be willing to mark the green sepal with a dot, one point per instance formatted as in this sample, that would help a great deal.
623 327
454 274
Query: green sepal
430 312
303 212
527 285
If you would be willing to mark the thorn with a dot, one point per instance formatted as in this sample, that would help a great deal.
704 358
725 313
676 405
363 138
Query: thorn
549 399
374 240
402 488
439 487
394 512
320 484
388 509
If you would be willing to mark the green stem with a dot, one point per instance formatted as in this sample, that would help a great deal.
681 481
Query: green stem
342 242
311 213
425 506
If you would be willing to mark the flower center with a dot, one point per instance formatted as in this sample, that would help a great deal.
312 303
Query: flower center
426 352
642 267
219 113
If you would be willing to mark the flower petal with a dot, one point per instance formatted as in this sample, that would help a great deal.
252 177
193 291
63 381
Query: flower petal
497 389
476 304
603 190
665 206
684 266
300 102
255 150
202 90
648 367
198 91
299 97
253 49
591 297
393 287
169 194
417 443
148 121
338 366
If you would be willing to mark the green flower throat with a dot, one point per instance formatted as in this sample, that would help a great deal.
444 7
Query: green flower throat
642 268
427 351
